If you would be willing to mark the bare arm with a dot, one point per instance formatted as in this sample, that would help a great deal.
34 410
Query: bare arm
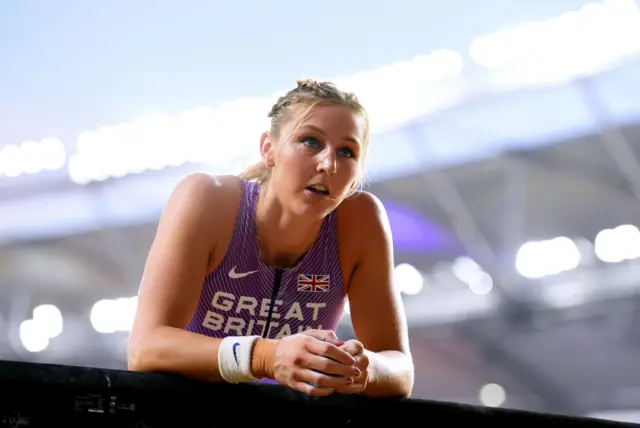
377 312
177 264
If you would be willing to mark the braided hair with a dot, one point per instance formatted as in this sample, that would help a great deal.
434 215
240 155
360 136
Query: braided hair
308 93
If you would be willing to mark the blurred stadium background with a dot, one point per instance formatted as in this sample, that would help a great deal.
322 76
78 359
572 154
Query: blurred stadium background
506 155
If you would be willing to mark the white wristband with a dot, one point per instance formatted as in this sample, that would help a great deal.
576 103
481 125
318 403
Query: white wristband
234 358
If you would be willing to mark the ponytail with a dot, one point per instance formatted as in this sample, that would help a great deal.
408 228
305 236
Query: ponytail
257 172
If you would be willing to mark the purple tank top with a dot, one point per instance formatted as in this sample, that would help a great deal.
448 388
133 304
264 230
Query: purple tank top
244 297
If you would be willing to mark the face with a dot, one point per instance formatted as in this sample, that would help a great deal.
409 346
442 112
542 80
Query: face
316 163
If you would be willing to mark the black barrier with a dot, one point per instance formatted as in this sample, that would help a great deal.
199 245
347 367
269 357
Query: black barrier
46 395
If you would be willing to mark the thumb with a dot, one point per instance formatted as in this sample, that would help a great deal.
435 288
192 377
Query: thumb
325 336
353 347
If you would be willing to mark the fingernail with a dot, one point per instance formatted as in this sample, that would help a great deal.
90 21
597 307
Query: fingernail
352 361
356 371
349 381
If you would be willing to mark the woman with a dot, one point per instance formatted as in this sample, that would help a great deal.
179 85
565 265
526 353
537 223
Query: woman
247 276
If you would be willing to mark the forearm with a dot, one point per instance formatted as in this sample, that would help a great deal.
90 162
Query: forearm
391 374
174 350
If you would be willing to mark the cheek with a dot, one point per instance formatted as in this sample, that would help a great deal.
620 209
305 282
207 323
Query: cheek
350 169
291 160
347 175
287 154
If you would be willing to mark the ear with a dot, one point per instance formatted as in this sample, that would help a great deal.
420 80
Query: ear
266 149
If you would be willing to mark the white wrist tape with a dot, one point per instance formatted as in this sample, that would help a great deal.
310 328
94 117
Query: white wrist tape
234 358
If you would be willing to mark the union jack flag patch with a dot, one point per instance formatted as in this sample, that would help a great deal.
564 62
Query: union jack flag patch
313 283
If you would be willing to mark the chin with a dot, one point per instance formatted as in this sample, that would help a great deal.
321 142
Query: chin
315 206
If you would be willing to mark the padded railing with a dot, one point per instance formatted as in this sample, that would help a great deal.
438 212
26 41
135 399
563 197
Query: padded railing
45 395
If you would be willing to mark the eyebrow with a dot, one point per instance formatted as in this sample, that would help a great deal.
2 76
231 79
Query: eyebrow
320 131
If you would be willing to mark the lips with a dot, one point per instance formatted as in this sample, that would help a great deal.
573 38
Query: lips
318 189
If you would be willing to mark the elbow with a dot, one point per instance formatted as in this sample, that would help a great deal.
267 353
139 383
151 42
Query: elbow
395 381
398 388
138 356
133 358
409 379
404 388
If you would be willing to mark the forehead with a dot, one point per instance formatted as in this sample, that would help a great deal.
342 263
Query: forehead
334 119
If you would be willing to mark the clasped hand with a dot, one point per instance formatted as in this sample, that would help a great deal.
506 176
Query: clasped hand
317 363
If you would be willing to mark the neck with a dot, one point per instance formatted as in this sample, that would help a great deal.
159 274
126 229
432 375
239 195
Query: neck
284 238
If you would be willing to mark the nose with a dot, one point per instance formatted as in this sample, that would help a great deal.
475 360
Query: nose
327 162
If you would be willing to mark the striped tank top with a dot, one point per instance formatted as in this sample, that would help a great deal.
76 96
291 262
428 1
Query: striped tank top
244 297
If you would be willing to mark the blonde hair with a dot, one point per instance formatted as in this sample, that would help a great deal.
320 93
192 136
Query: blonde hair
310 93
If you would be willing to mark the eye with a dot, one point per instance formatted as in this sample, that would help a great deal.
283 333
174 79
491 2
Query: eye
310 142
314 143
348 153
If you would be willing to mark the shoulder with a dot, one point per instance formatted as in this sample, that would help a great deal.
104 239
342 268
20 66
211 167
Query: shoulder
363 221
363 210
212 187
201 197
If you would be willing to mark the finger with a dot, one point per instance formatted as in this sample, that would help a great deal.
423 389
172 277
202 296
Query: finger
332 338
325 336
353 347
323 380
349 389
312 390
330 367
328 350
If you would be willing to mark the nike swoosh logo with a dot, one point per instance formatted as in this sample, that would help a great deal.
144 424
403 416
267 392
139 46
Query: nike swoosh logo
235 357
235 275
